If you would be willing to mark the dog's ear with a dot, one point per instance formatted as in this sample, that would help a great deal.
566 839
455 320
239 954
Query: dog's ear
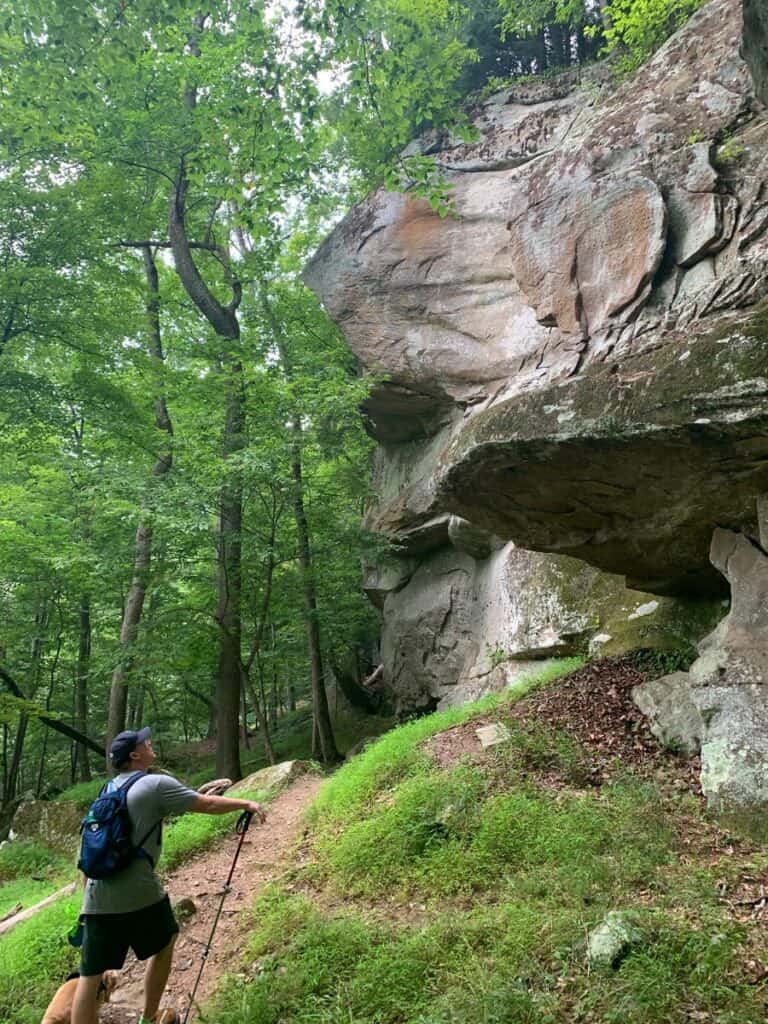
110 983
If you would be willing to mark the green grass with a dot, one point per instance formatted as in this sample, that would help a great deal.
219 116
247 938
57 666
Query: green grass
464 895
397 754
34 959
29 872
83 793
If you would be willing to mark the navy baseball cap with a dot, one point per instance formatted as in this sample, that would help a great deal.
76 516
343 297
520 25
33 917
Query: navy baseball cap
125 742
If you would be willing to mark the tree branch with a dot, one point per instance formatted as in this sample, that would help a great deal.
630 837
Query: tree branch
223 319
53 723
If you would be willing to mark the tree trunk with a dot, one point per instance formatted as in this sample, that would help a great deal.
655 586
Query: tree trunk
229 580
322 731
269 750
224 321
49 701
118 697
82 767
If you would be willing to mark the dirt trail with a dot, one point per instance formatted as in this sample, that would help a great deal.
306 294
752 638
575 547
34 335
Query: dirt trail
266 854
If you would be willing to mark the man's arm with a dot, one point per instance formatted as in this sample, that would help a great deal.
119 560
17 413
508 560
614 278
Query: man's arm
205 804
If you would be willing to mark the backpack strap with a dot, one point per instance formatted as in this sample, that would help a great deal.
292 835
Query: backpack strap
138 847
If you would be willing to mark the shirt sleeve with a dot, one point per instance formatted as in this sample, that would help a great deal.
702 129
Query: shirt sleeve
172 796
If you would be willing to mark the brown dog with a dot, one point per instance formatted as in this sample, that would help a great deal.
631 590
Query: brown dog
60 1007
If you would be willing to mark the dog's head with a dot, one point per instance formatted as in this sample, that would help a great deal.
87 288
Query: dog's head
107 986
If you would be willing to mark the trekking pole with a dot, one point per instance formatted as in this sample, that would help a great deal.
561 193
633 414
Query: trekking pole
240 829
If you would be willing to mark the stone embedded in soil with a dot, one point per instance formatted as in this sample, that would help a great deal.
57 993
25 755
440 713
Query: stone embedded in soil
492 735
614 937
672 715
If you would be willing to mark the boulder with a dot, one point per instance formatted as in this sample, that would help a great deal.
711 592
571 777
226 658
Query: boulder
673 716
728 683
719 705
270 781
216 786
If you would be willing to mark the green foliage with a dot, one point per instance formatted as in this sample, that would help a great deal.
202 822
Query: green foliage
661 663
83 793
730 152
34 960
637 28
23 858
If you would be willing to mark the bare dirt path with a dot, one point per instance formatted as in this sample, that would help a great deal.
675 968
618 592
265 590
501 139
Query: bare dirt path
267 853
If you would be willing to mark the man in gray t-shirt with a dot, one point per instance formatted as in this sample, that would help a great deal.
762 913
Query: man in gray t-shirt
131 909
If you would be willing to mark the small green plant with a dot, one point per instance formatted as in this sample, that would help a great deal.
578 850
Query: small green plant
496 655
730 152
696 136
654 662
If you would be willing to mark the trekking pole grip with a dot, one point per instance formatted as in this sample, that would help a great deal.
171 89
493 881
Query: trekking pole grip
243 822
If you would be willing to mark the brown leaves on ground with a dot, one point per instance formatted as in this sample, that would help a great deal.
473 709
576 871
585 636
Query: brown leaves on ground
594 707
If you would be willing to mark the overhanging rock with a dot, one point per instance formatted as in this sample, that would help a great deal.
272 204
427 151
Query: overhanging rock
579 361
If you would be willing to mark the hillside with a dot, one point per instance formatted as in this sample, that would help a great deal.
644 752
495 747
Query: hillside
442 882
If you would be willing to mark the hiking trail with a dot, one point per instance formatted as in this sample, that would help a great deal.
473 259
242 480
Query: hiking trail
267 853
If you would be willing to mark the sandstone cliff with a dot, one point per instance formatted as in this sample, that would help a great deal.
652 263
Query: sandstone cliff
578 361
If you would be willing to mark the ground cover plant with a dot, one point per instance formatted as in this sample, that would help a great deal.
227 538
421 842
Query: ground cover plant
29 872
443 883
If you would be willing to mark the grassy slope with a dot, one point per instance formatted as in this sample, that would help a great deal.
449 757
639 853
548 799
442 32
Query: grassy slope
465 894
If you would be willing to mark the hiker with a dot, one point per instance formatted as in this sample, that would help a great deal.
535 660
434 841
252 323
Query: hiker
130 908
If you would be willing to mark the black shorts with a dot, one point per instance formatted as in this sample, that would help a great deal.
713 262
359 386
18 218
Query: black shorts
108 937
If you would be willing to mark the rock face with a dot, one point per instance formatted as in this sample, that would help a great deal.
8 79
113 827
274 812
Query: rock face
756 44
456 626
577 362
719 706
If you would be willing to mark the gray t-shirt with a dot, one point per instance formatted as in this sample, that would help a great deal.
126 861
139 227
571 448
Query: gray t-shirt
150 800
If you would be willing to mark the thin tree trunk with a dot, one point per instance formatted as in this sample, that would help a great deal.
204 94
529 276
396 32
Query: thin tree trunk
323 742
326 744
261 718
82 767
229 579
49 701
118 697
244 712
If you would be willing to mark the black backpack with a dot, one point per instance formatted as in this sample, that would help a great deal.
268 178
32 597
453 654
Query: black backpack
105 845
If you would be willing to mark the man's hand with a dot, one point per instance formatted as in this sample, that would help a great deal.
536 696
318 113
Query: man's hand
257 811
